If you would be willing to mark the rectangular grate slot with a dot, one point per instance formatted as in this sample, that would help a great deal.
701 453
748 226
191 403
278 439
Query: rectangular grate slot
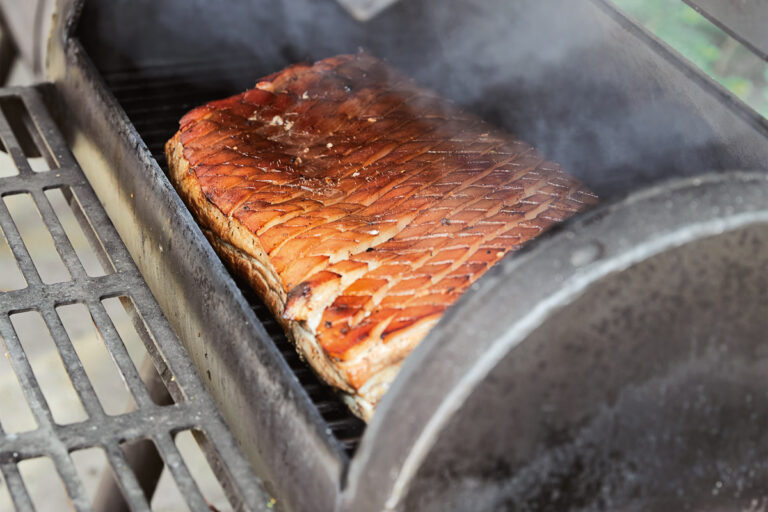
5 496
48 368
92 466
89 357
15 415
79 231
7 167
37 238
162 492
124 316
167 494
26 135
196 461
105 376
148 481
44 485
11 277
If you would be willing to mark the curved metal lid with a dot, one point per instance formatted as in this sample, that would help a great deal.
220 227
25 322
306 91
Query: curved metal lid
476 403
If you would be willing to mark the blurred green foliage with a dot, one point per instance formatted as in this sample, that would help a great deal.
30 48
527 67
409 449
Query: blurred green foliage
708 47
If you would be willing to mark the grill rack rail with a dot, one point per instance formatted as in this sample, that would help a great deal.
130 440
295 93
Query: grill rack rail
193 409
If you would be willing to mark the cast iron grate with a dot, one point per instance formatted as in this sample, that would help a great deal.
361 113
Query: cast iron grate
42 165
155 98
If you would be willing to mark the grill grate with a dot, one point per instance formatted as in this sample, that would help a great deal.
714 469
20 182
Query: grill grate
27 131
154 99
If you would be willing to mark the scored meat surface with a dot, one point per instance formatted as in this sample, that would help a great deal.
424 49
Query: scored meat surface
360 207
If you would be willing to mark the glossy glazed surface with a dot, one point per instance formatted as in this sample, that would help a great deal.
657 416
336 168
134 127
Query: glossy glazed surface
373 205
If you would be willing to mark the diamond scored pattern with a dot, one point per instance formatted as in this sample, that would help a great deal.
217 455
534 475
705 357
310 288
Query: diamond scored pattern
377 202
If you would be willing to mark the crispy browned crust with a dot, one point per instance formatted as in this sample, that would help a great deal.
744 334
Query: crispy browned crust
242 252
360 207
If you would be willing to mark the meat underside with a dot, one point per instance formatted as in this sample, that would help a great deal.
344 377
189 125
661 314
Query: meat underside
360 207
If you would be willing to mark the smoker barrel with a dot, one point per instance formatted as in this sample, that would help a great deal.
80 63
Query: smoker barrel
592 91
625 369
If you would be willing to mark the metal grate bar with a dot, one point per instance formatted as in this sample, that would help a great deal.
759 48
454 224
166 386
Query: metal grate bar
48 133
113 246
126 479
90 234
63 245
72 364
77 436
23 259
24 373
68 291
193 410
156 322
119 353
54 179
214 459
15 486
14 148
69 477
178 469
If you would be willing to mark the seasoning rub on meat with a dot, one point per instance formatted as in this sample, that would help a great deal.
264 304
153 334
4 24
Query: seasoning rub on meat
360 207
